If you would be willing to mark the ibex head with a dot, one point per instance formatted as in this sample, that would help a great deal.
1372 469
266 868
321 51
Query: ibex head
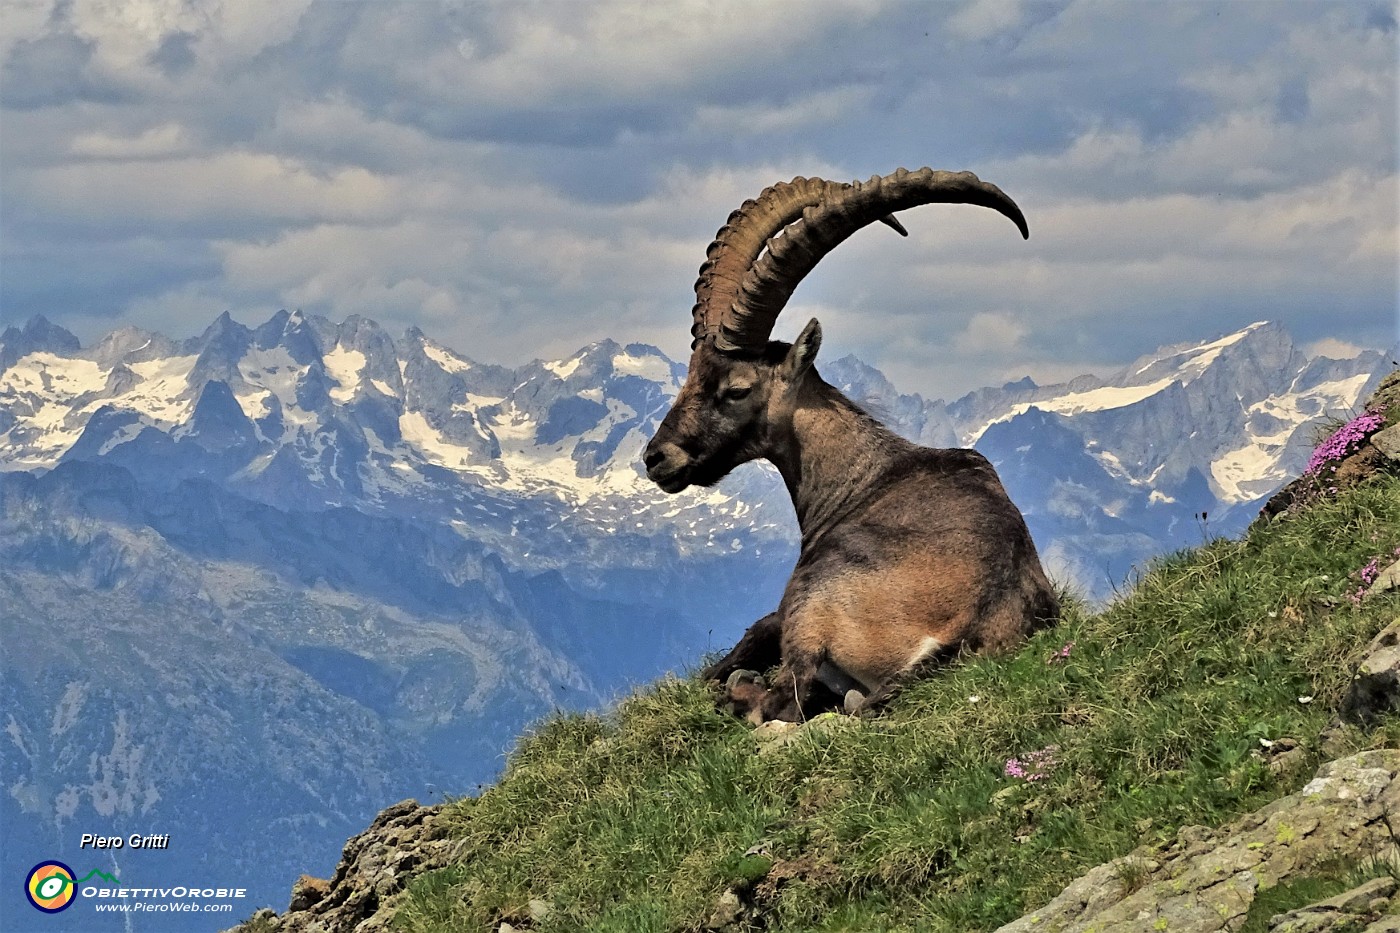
742 388
732 408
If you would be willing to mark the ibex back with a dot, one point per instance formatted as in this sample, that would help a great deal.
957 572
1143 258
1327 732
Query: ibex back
909 554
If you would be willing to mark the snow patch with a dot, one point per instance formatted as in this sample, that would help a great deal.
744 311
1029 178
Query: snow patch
1246 472
254 404
431 444
59 375
1256 467
448 360
648 367
1196 359
1075 403
344 366
565 369
122 435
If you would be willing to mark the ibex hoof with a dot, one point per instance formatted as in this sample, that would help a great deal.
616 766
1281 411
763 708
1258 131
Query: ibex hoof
854 701
744 693
743 677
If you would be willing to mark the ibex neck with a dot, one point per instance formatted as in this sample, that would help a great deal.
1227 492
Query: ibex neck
831 456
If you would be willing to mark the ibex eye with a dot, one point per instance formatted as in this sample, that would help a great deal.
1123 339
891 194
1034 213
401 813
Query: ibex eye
734 393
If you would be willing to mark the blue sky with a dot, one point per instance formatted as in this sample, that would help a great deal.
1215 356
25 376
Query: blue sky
522 179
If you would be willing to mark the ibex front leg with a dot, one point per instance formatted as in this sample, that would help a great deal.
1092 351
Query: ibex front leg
804 686
759 649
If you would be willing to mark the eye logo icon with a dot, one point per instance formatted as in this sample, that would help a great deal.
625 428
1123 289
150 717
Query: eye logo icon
50 887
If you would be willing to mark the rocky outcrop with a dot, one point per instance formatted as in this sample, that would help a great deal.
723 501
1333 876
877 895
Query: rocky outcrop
1207 880
1366 906
1376 687
403 841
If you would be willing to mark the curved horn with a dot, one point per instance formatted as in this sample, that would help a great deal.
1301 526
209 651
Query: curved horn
740 241
746 321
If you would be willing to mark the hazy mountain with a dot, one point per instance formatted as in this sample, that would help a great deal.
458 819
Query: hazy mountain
288 574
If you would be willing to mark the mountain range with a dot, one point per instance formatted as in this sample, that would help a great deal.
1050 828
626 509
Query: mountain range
277 577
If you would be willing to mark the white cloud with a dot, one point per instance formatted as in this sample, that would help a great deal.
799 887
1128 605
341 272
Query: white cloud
762 118
990 332
628 48
126 36
1333 349
23 20
982 19
222 189
163 141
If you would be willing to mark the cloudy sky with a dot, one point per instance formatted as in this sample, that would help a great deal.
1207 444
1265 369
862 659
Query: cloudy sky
522 179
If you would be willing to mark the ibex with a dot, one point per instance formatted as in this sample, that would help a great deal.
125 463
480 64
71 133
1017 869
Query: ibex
909 555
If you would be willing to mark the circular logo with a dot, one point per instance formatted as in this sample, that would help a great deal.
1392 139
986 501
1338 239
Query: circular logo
50 887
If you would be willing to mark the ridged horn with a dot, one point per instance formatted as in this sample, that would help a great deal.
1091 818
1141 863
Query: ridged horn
743 237
746 320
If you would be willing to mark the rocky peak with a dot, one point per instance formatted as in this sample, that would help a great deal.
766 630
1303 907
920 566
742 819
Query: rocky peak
218 421
219 350
131 345
38 335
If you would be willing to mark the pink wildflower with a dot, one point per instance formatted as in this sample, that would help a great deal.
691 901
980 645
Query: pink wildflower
1033 766
1371 571
1344 441
1367 575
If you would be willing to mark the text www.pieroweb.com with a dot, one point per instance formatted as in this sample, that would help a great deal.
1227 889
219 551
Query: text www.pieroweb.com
162 900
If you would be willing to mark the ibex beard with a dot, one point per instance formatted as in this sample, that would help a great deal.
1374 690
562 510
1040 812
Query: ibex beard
909 555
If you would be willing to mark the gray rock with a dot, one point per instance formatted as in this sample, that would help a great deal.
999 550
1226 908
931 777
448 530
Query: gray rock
780 735
1288 761
402 842
772 730
1345 912
1388 579
308 891
1388 441
1376 687
1360 898
1207 879
727 912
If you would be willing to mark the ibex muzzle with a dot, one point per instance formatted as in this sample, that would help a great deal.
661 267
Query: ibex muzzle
909 554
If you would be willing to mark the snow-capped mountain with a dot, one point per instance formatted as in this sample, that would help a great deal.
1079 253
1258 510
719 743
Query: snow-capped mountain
364 563
303 413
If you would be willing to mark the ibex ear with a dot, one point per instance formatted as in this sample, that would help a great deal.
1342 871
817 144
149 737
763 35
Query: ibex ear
804 350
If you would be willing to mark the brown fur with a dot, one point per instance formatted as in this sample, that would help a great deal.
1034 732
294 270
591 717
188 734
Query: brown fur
909 555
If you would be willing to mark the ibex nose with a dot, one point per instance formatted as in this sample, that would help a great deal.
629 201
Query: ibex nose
666 466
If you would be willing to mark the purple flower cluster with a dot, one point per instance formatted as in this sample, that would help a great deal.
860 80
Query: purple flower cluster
1371 571
1344 440
1033 766
1062 654
1368 575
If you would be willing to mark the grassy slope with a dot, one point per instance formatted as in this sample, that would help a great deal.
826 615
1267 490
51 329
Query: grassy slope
638 820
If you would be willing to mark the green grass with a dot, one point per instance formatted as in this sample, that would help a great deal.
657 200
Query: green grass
1328 881
638 820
